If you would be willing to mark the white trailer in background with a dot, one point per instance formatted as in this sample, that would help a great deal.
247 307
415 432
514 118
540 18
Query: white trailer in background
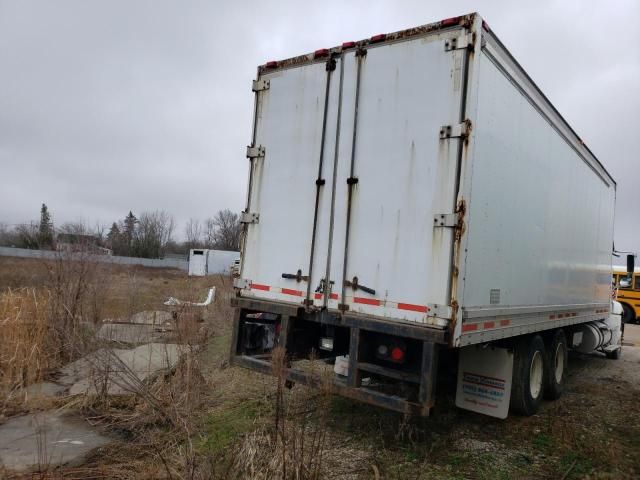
415 194
197 262
204 261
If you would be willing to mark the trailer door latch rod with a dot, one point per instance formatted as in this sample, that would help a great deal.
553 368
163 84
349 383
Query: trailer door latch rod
356 286
298 277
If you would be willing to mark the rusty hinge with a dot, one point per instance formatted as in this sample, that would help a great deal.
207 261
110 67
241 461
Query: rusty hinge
440 311
241 283
249 217
461 130
446 220
459 43
259 85
255 152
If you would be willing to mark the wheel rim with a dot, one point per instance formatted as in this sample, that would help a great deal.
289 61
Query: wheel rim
535 374
559 362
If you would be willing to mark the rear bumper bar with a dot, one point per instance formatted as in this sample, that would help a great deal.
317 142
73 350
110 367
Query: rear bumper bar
359 327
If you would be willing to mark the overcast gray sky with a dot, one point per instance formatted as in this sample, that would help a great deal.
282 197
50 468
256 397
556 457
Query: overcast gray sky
112 106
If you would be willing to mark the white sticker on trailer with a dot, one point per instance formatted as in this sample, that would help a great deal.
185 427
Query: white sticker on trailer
484 380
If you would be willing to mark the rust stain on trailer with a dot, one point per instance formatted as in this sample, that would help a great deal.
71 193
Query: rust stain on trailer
461 210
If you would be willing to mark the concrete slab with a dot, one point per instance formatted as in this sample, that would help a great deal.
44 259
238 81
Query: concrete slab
133 333
152 317
49 438
44 390
120 371
82 368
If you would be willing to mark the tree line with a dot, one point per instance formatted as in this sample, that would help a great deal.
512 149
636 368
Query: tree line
149 235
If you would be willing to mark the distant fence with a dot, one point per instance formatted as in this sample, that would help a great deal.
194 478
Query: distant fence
145 262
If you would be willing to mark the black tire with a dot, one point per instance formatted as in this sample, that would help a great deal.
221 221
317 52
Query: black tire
628 315
555 365
527 387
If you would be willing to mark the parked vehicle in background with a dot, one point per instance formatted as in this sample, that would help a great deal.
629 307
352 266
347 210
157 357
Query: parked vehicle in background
628 293
197 262
415 195
204 261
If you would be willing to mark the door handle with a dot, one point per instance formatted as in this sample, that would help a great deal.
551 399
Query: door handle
356 286
298 277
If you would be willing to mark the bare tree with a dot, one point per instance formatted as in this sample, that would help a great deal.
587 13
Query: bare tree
8 236
153 232
74 228
209 233
99 230
193 232
226 235
28 235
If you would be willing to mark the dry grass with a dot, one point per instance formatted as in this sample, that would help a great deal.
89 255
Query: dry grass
27 350
290 443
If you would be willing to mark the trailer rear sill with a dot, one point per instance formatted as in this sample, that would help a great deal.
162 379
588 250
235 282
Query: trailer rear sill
418 331
271 306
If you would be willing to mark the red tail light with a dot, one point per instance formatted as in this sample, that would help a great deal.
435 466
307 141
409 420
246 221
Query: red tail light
397 354
378 38
272 64
447 22
323 52
348 44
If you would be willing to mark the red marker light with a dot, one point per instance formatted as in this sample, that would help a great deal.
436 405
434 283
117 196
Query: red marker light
447 22
271 64
378 38
323 52
397 354
348 44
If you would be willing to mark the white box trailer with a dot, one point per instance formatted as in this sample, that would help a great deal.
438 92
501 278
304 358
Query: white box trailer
205 261
413 193
197 262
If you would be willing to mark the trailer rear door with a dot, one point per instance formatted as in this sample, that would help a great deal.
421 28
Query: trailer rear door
401 175
290 115
368 132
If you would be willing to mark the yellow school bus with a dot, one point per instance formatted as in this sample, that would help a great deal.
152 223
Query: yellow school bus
628 293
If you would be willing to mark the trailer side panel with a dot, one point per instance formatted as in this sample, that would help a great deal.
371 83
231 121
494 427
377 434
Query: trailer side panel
540 217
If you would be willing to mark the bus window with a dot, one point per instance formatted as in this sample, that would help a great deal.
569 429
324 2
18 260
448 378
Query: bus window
625 282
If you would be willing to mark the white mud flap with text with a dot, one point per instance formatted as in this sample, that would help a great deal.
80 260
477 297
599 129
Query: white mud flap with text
484 380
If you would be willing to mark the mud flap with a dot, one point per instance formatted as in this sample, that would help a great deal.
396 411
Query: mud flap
484 380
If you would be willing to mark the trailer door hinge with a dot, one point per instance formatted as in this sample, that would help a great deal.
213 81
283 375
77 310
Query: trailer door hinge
445 220
461 130
259 85
440 311
255 152
458 43
249 217
241 283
